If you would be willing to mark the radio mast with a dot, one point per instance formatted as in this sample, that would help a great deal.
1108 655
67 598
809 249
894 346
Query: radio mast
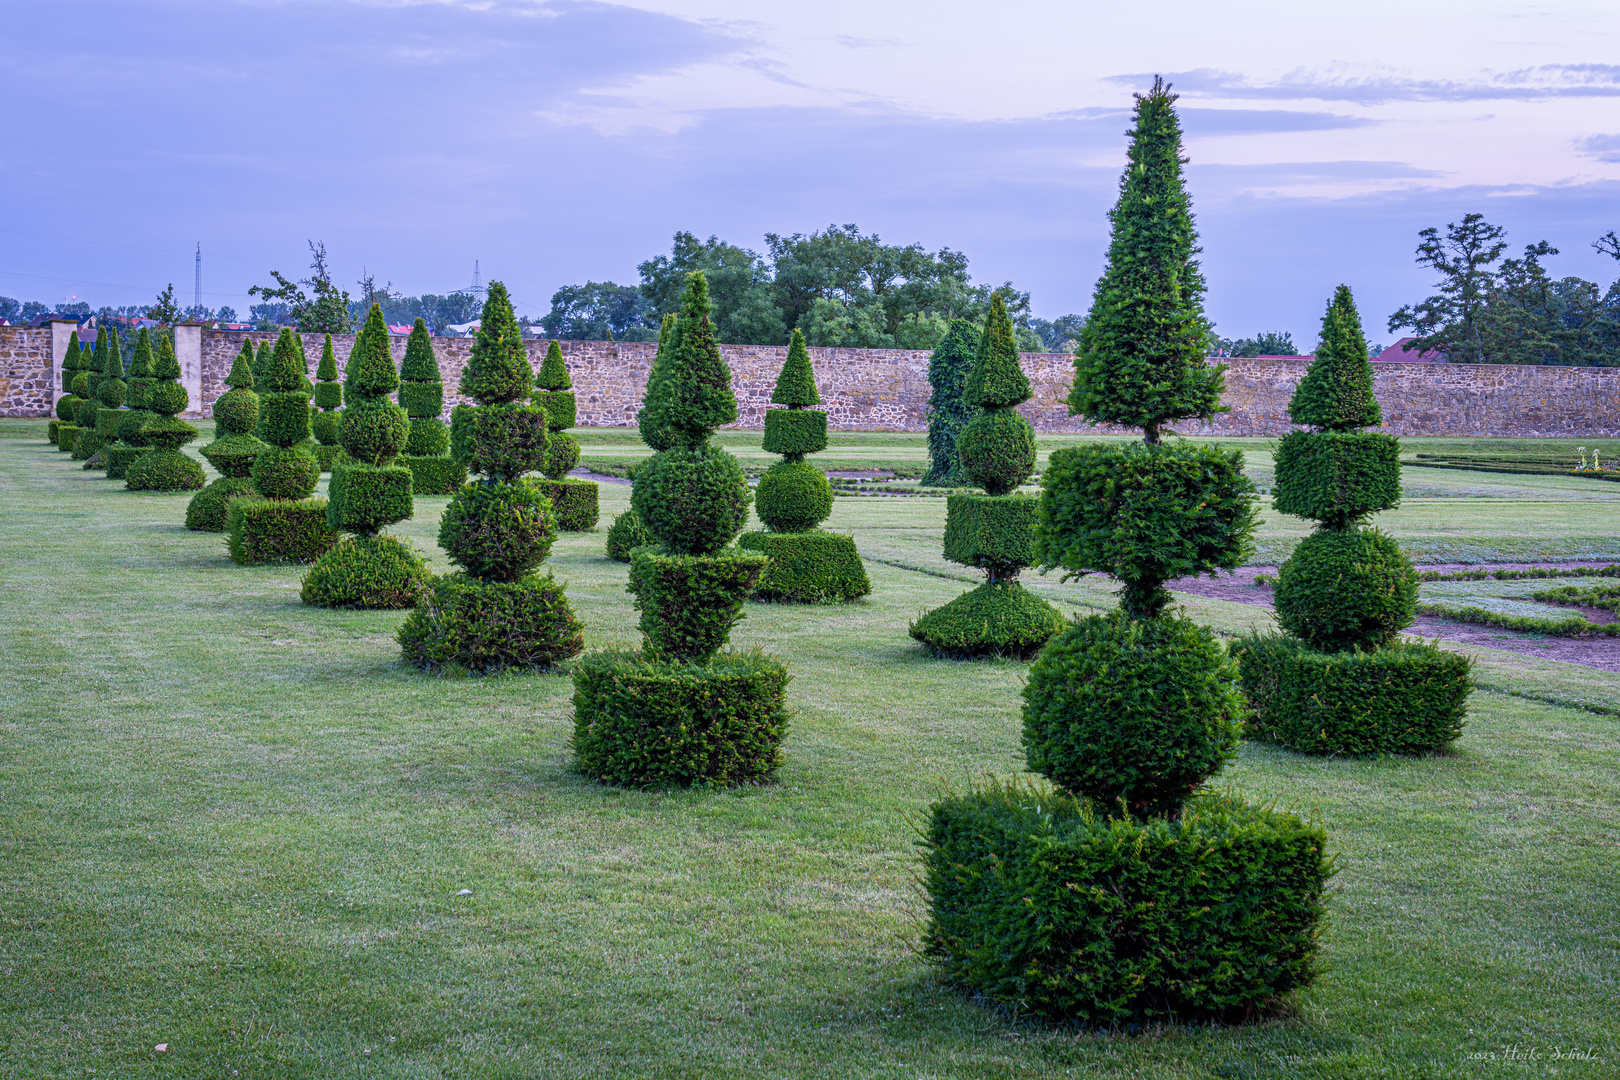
196 285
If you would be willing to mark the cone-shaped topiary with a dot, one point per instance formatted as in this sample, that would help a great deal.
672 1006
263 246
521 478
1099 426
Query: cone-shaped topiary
368 490
67 406
794 497
142 371
90 440
574 501
236 417
994 531
263 359
164 467
130 444
329 400
1131 711
649 418
1347 588
676 713
948 370
499 612
421 394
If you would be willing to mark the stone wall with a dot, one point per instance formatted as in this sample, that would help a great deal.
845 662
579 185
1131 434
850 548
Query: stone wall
887 389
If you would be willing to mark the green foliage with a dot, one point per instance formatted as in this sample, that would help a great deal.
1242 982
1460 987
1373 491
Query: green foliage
107 422
429 438
106 338
329 456
167 397
796 385
498 532
793 497
236 412
573 501
434 474
206 512
1158 711
996 381
112 392
650 417
562 411
462 624
1336 477
689 603
366 572
167 432
164 469
374 429
66 408
288 371
66 435
262 360
498 366
327 427
234 455
141 368
807 568
166 366
120 456
128 426
286 472
1453 322
369 372
420 364
284 418
327 370
328 397
699 398
1146 515
553 372
948 370
795 432
87 443
693 499
993 532
98 460
996 619
562 454
1043 906
643 722
1141 355
499 441
362 498
81 386
422 400
1336 393
996 450
1408 698
241 373
263 530
627 533
50 431
1346 589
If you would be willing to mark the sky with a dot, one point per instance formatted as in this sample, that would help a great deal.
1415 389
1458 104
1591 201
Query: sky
563 141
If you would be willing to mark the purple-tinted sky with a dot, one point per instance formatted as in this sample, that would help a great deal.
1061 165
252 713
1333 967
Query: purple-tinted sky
564 141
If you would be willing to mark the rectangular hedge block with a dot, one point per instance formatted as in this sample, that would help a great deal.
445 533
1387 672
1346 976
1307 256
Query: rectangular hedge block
808 568
422 399
689 603
795 431
993 531
364 498
50 431
573 501
1337 477
262 530
435 475
66 435
559 405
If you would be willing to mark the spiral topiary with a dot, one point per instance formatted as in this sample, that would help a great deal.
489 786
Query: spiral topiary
67 406
164 467
421 394
129 443
575 501
329 403
498 612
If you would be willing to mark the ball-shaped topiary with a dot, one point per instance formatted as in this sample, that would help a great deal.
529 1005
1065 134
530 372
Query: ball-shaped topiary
693 499
366 572
286 472
793 497
208 509
374 430
498 531
164 470
997 450
562 455
1346 589
627 533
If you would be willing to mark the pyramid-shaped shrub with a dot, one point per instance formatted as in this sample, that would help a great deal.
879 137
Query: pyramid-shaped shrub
164 467
234 449
111 393
575 501
369 490
994 531
628 531
421 394
1340 681
89 440
807 564
67 406
679 711
498 611
948 411
130 443
329 405
1129 894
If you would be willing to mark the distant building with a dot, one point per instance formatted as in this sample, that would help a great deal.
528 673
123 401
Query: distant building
399 329
1402 353
462 329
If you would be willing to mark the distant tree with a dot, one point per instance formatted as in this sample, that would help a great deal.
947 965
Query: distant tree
1061 335
33 309
1450 322
326 312
371 293
80 309
740 288
1266 343
165 310
270 316
1608 244
599 311
10 309
226 313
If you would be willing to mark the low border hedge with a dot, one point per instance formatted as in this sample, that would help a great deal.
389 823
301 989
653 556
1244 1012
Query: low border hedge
260 530
808 568
573 501
462 625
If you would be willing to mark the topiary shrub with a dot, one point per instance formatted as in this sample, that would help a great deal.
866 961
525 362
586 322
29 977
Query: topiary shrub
793 497
1133 897
206 512
1337 477
421 395
650 422
435 475
87 442
689 603
999 618
236 415
498 528
575 500
808 568
328 399
50 431
1406 698
121 455
66 436
572 501
627 533
261 530
67 406
375 571
948 413
1346 589
694 499
164 470
164 467
288 470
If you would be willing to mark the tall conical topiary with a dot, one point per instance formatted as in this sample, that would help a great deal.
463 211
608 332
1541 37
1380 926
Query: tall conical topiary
111 393
262 361
676 712
164 467
90 440
994 531
329 400
498 612
130 443
233 451
794 497
1133 711
67 406
575 501
1341 682
948 413
421 394
628 531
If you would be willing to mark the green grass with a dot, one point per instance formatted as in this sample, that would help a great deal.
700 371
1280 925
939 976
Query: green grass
237 826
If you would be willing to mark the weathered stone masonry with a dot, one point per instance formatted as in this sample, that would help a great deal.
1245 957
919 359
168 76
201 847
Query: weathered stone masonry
887 389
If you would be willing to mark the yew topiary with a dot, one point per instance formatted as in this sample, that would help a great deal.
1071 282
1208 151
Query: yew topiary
421 395
67 406
129 444
236 416
948 412
575 501
165 467
328 397
287 470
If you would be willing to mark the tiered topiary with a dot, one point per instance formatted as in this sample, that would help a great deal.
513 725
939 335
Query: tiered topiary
329 402
421 394
89 441
164 467
263 359
1132 896
807 565
498 612
233 451
111 393
1341 682
994 531
130 443
67 406
280 523
76 381
948 371
628 531
676 712
574 501
369 491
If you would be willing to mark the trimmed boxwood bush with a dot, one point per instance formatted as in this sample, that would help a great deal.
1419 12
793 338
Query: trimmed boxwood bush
689 603
793 496
120 456
503 440
66 436
1337 477
87 442
363 498
1048 908
997 450
164 467
1407 698
286 472
264 530
366 572
645 723
808 568
50 431
465 625
206 512
435 474
1346 589
999 618
498 531
627 533
574 502
164 470
328 398
795 431
993 532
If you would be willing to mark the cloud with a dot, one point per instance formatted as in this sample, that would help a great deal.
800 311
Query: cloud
1602 147
1524 84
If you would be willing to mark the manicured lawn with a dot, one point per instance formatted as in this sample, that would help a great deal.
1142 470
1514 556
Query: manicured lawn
237 826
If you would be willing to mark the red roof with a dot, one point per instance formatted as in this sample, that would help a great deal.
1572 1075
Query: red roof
399 328
1399 353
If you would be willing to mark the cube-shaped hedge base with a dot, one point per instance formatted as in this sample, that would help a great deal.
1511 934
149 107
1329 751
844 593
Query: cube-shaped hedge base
1409 698
996 619
50 431
435 475
364 498
992 531
808 568
1041 906
86 444
120 456
66 435
573 501
464 625
277 530
640 722
1337 477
